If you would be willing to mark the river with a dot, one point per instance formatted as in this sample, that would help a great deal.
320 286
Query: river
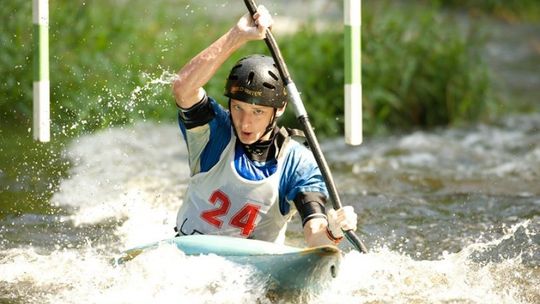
449 215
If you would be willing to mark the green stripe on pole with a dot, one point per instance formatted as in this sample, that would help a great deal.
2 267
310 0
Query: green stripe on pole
41 52
353 60
41 102
353 71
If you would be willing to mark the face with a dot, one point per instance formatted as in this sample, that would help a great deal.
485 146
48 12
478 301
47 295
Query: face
250 121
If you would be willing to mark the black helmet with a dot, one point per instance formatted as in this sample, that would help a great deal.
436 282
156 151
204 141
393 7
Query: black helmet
255 79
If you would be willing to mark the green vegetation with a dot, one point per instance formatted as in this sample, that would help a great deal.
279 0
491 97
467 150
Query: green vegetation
528 10
424 74
112 62
418 70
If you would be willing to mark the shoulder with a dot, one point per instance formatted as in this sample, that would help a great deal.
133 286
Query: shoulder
299 154
220 126
221 113
207 142
220 117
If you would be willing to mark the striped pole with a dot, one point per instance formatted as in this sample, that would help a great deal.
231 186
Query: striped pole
353 72
41 71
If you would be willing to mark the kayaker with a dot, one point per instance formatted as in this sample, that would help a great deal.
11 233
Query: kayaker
248 177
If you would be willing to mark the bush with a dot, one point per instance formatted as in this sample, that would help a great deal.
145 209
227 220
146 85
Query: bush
527 10
112 63
16 60
420 70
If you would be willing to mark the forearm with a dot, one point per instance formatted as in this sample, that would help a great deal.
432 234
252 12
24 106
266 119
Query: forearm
187 86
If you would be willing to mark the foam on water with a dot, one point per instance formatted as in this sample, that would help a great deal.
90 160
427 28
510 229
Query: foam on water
387 276
496 159
88 276
135 175
166 275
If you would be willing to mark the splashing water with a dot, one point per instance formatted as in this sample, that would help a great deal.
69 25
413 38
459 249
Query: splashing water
436 243
386 276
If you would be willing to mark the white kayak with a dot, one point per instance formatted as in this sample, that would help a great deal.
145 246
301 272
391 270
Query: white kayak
288 268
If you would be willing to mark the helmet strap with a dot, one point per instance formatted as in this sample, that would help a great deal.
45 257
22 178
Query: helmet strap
271 125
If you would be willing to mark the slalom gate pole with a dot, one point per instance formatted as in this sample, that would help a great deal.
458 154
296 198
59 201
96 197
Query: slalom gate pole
353 71
41 94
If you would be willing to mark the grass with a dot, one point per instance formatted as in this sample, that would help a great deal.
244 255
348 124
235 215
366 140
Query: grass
425 74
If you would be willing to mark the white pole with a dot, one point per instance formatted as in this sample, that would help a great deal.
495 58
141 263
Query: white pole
353 72
41 71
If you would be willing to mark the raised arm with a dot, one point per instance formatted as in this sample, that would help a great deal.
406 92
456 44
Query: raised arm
188 86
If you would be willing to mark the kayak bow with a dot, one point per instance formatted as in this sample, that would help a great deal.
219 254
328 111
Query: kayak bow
287 267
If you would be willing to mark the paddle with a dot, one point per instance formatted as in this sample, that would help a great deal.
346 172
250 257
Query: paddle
302 117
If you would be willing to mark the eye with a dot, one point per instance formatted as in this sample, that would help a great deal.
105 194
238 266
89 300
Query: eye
258 112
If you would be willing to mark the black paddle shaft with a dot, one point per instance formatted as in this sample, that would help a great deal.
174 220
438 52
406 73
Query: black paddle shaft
303 119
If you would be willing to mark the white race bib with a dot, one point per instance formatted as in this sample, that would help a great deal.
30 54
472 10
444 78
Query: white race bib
221 202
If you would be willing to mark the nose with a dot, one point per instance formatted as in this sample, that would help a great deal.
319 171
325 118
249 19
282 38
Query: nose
245 120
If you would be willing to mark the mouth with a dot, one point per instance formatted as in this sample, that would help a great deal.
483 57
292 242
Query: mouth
246 137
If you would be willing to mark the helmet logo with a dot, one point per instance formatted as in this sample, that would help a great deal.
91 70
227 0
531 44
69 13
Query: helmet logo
236 89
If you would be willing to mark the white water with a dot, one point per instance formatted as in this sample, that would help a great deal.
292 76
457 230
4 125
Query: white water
123 190
166 276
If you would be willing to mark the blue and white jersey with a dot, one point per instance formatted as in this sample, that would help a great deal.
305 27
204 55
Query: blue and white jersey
229 194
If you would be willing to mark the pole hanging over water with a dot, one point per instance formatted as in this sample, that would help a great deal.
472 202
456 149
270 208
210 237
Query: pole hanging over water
41 98
353 72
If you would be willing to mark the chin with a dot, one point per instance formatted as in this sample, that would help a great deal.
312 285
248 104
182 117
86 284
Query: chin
247 142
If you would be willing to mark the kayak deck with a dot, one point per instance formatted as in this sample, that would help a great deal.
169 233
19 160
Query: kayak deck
287 267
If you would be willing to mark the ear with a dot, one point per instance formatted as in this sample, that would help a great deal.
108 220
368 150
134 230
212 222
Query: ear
281 110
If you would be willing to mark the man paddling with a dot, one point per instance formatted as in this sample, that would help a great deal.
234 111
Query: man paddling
248 177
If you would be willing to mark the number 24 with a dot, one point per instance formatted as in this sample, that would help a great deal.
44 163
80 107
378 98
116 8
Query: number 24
244 219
